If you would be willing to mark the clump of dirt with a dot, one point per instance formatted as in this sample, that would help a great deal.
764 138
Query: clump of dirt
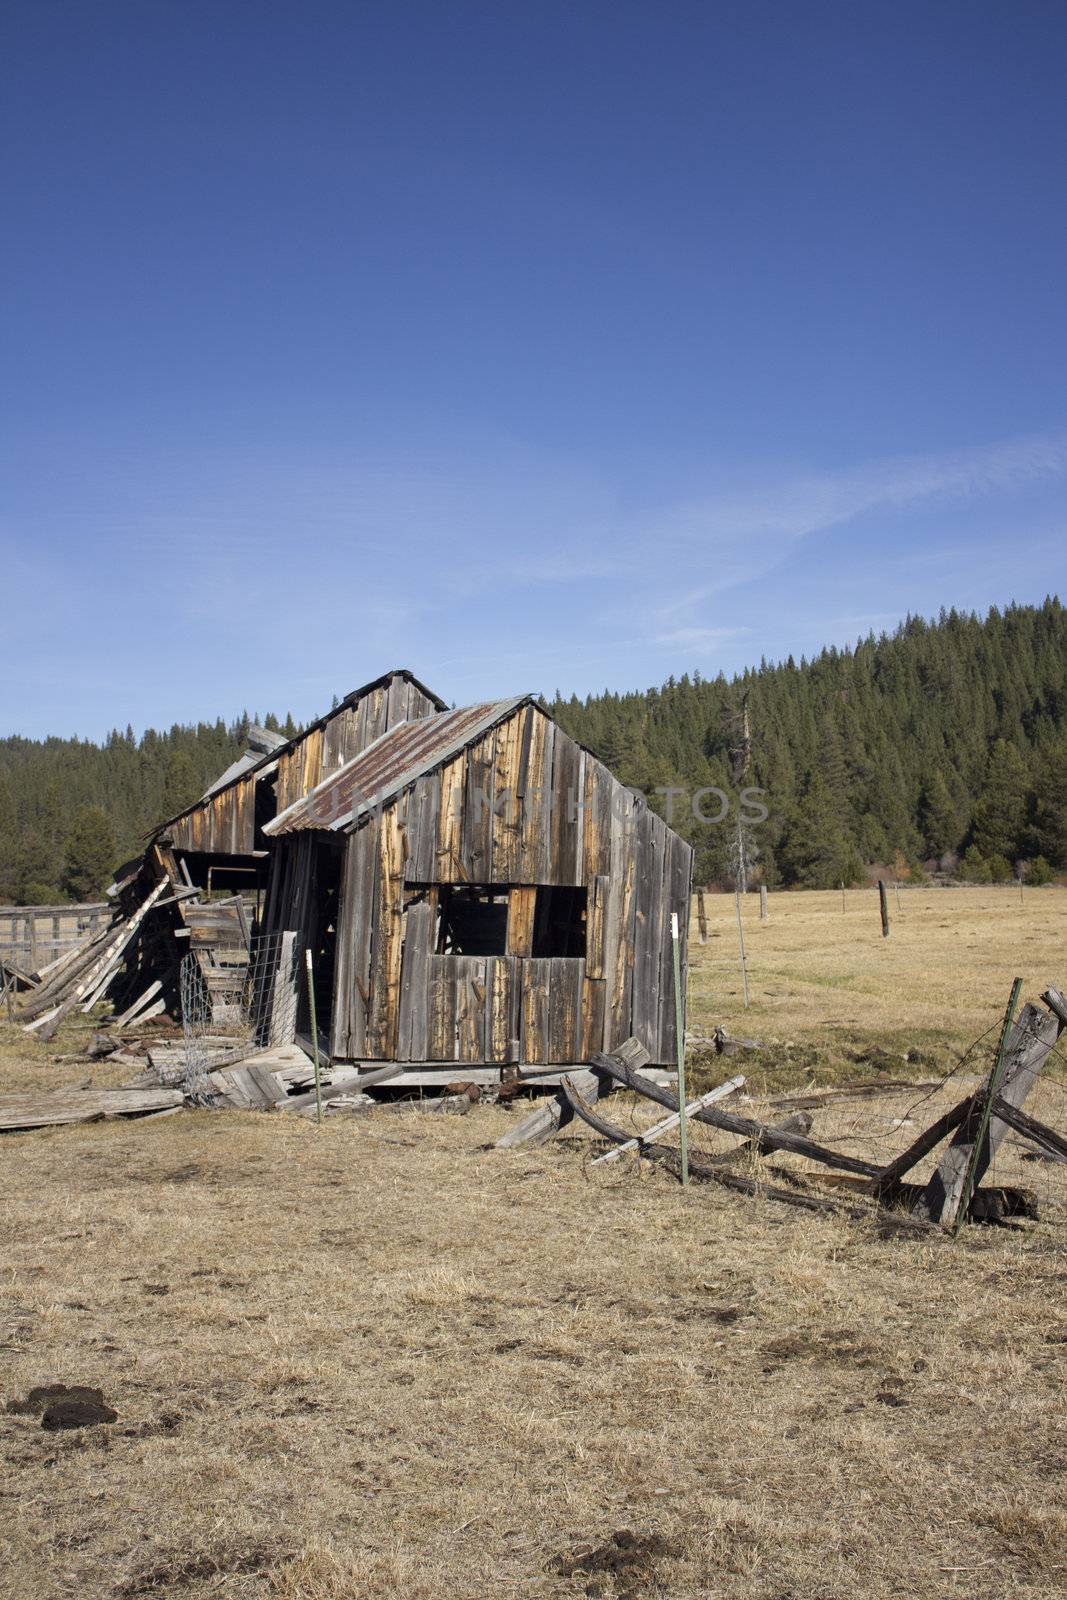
629 1559
62 1405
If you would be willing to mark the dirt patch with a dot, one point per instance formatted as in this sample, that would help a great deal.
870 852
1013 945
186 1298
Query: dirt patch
182 1569
627 1561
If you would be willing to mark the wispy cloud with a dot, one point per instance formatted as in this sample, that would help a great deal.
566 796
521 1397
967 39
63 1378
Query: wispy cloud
741 535
699 641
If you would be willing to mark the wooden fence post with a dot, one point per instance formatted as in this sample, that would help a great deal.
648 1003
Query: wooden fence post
702 917
763 902
883 901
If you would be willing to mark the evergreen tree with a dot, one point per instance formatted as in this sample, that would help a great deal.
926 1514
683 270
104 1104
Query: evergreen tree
1048 826
999 815
90 854
816 852
938 817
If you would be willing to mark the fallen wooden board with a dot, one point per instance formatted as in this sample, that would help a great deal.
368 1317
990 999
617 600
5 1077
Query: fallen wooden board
1028 1128
141 1001
546 1120
108 961
768 1138
658 1128
59 1106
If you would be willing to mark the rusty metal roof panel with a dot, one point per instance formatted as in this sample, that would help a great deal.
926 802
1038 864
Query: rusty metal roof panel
387 767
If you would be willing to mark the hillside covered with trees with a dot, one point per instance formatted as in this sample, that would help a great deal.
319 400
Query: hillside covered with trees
944 744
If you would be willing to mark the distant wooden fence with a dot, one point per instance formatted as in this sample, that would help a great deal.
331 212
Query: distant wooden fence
35 935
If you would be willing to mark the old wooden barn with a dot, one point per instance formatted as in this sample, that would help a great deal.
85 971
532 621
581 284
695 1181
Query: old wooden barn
219 843
476 888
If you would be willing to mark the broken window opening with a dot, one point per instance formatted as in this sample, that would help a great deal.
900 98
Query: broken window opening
559 921
472 920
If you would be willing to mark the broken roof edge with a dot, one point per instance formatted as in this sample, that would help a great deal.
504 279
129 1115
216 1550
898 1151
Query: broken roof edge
497 711
350 699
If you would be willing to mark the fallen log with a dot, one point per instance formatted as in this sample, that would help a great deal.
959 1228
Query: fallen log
547 1120
1027 1127
747 1127
888 1223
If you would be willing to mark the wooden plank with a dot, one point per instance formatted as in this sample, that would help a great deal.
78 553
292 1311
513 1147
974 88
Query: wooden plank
1046 1139
420 865
599 789
595 913
619 922
522 902
648 901
677 887
546 1120
387 941
658 1129
504 844
533 856
476 830
471 1005
449 865
534 1002
413 1035
48 1109
501 1024
565 977
442 1020
567 795
355 930
965 1162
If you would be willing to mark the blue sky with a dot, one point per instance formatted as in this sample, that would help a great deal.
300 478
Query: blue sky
528 346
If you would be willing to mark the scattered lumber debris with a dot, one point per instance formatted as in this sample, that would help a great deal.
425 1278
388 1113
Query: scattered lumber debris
889 1223
548 1119
981 1129
934 1209
57 1106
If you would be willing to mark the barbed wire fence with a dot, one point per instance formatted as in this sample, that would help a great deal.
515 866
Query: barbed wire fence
231 1010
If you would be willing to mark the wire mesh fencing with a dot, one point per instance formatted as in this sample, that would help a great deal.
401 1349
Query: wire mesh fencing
230 1009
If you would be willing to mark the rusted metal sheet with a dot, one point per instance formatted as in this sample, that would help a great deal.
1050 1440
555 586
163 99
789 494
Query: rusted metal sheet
390 765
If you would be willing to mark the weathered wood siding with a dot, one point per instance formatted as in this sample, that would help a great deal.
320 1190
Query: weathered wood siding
524 806
226 823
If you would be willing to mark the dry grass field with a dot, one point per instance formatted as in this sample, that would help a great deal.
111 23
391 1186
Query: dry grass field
381 1358
824 983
